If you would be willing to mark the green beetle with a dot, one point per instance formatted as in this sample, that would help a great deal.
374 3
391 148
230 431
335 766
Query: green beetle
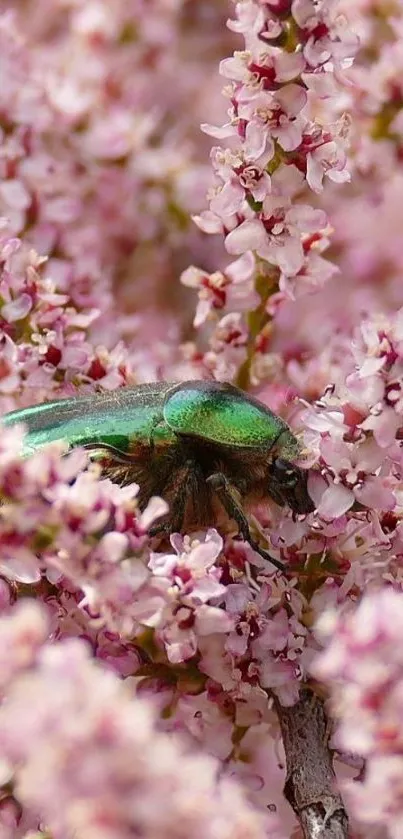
194 443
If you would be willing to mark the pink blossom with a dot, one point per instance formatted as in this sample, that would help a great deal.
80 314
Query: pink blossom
363 667
219 291
326 31
283 137
53 496
192 580
101 759
276 237
228 344
24 631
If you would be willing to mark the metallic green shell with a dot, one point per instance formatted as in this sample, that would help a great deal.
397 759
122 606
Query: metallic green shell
158 414
223 414
121 419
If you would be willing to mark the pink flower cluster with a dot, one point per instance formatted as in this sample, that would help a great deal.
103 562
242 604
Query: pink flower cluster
284 141
185 622
353 438
88 759
365 215
98 155
353 538
265 649
356 432
363 667
44 343
59 520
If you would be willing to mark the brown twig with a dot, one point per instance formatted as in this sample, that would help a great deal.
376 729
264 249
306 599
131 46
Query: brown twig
311 787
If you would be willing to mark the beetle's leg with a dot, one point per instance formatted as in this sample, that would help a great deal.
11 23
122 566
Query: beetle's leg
186 483
222 489
175 520
117 454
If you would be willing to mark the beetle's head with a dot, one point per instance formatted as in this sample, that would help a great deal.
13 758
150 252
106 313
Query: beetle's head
288 485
